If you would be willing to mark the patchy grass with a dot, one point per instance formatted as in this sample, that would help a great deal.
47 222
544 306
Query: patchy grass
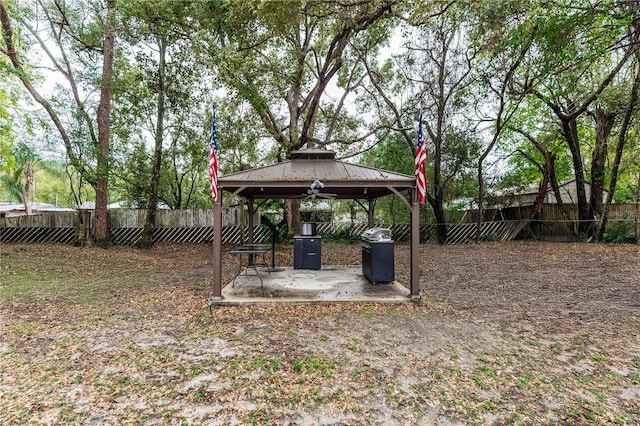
119 336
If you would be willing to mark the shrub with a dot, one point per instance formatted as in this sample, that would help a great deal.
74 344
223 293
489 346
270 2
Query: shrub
618 233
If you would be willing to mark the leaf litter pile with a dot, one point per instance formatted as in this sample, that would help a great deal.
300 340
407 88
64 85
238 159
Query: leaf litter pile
509 333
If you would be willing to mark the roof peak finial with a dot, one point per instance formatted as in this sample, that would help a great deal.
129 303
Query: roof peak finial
313 154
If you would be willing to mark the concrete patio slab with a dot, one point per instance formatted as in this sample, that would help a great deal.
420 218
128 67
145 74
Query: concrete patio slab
331 284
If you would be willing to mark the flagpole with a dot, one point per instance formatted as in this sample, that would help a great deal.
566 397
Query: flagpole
213 156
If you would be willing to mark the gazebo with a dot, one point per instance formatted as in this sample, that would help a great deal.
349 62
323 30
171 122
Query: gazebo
292 178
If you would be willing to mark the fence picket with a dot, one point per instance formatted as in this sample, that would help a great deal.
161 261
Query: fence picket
196 226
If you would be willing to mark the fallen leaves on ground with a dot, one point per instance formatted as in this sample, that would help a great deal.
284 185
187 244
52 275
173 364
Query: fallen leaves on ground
522 333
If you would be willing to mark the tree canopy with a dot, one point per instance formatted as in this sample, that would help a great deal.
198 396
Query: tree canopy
512 93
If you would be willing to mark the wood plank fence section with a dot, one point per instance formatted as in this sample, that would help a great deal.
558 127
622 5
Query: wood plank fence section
125 218
196 226
497 231
59 227
551 224
193 226
38 235
551 213
42 220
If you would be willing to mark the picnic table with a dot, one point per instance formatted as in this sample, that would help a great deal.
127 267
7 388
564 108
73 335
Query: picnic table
252 251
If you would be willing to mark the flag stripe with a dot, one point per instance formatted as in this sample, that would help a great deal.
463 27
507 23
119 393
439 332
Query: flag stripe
213 158
421 159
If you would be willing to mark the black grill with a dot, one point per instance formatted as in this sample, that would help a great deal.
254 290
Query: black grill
377 255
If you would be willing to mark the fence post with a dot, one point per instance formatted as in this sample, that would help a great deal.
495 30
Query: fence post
84 228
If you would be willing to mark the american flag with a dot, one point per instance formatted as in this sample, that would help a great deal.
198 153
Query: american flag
213 159
421 159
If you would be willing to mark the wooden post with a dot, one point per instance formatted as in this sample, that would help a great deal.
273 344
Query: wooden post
415 247
250 221
250 228
217 249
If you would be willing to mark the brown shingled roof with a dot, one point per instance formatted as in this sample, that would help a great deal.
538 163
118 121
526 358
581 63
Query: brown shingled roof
293 177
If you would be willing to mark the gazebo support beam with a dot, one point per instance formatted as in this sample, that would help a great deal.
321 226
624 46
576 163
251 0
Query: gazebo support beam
250 221
230 198
414 208
250 227
217 249
218 207
415 248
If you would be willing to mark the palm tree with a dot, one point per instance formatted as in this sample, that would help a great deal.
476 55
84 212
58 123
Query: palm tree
20 180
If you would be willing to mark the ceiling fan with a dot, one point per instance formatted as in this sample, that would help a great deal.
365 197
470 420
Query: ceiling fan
314 191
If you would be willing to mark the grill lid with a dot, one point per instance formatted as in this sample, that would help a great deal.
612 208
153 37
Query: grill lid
376 234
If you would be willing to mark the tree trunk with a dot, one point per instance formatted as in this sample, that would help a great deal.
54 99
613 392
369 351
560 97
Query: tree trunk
292 215
441 224
637 222
83 230
604 124
622 138
570 133
565 215
27 187
101 228
480 196
549 166
437 203
150 223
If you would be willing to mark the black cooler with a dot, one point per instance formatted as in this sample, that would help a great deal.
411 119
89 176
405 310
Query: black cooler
377 255
307 252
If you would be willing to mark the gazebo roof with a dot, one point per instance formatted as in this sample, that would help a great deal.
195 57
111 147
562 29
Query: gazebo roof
292 178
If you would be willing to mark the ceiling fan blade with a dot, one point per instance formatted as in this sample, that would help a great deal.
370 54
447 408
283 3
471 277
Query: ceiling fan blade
329 196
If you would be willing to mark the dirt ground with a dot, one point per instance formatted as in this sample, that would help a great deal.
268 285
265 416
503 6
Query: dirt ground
509 333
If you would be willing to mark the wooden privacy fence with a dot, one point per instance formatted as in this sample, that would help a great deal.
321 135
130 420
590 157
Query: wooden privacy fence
550 225
57 227
551 213
196 226
65 228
